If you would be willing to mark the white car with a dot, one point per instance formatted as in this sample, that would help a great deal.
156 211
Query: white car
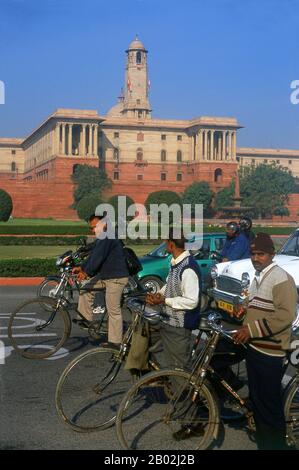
232 279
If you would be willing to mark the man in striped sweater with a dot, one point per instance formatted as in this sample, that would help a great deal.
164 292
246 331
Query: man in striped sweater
267 330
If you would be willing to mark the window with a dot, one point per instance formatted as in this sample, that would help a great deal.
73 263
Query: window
139 154
138 57
179 156
278 161
265 161
116 175
179 137
163 176
218 175
139 114
116 135
116 153
13 152
138 101
219 243
290 162
140 177
163 136
140 137
179 177
13 166
163 155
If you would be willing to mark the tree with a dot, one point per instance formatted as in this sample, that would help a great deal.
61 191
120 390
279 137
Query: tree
224 197
88 179
113 200
6 206
160 197
282 211
87 205
266 187
198 193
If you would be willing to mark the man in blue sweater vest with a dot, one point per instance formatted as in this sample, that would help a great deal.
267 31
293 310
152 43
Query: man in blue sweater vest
181 300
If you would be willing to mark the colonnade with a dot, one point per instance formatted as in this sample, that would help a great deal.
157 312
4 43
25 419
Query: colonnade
76 139
214 145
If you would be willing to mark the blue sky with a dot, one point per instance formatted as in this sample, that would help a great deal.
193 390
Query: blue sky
206 57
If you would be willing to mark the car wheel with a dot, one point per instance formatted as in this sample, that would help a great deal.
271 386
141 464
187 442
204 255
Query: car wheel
151 283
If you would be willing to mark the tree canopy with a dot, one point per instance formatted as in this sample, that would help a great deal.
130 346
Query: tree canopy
160 197
6 206
266 187
88 179
198 192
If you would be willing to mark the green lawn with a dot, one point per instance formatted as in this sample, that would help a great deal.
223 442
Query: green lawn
50 222
14 252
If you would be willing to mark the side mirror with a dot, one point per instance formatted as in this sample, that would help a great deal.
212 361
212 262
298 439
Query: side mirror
216 256
82 241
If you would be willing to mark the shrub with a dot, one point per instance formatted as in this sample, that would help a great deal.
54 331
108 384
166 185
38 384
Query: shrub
27 267
5 206
87 205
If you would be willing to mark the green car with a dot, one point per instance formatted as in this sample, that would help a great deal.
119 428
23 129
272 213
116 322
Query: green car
156 263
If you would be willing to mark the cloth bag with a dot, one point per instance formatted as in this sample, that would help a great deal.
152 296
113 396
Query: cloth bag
139 350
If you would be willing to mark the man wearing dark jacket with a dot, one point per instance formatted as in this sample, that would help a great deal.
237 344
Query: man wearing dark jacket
236 245
107 268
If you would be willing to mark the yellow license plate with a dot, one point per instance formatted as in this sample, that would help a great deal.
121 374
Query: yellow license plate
226 306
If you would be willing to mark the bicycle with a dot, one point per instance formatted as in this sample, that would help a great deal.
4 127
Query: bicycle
45 322
188 415
90 388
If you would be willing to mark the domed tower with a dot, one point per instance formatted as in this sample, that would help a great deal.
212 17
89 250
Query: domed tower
136 103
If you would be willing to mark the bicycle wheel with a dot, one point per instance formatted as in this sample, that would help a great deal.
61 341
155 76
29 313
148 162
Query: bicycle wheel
164 410
37 329
291 410
90 389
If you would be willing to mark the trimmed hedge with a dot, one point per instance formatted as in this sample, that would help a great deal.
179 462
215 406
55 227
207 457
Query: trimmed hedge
27 267
47 241
44 229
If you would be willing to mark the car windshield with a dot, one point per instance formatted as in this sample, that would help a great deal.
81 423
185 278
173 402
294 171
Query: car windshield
159 252
291 246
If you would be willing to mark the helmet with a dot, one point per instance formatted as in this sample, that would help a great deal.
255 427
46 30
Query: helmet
245 223
232 227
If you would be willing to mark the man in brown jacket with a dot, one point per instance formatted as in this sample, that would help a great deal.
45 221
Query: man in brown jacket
267 330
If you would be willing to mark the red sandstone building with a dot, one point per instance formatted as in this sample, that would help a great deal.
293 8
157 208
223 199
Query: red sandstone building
140 154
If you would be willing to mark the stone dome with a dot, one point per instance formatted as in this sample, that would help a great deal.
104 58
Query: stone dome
116 110
136 44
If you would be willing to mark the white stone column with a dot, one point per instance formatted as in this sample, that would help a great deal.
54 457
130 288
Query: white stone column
205 146
199 145
70 140
212 146
234 145
229 145
224 145
95 149
90 140
83 143
57 132
63 139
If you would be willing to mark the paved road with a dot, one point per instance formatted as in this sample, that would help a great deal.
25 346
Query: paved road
27 387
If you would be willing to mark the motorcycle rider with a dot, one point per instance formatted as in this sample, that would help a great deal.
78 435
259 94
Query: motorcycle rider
236 245
245 224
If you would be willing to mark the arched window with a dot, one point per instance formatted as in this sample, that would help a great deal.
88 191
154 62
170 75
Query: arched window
74 167
163 155
218 175
13 166
139 154
179 156
116 153
138 57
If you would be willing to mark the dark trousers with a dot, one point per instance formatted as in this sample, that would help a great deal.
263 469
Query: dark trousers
264 380
177 345
265 391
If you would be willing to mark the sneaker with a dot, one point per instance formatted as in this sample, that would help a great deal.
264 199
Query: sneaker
84 324
99 310
188 431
